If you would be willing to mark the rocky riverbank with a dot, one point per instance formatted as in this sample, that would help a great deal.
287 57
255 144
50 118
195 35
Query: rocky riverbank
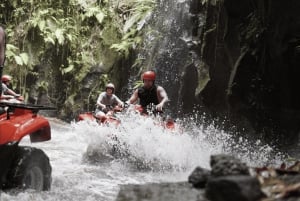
229 179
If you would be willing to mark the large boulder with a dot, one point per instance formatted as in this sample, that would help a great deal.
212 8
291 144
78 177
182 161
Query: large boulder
223 165
234 188
199 177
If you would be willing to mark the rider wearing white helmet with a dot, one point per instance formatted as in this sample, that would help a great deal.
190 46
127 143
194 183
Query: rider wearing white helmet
106 101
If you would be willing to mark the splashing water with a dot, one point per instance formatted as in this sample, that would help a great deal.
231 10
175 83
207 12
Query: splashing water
89 161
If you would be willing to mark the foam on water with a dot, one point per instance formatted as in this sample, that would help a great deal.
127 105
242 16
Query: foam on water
146 152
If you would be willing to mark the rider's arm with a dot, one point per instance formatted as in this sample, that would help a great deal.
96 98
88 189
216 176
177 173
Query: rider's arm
99 101
6 96
163 97
134 97
11 92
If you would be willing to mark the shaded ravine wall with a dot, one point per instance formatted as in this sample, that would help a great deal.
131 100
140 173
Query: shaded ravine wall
251 51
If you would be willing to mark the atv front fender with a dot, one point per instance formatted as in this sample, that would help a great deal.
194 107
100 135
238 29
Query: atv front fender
17 127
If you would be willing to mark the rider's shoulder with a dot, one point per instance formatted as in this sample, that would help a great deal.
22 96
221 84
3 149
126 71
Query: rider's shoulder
160 88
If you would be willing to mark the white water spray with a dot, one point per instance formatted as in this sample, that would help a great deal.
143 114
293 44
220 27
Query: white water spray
138 151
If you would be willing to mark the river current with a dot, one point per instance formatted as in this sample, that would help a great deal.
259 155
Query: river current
90 162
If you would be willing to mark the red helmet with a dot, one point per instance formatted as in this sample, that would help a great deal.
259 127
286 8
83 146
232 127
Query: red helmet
6 78
149 75
110 86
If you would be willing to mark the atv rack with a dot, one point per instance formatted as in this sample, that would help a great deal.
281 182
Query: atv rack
32 107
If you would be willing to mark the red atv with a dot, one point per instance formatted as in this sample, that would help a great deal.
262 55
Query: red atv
23 166
168 123
110 117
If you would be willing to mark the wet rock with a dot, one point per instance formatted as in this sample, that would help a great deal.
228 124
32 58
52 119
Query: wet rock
290 179
199 177
160 192
223 165
234 188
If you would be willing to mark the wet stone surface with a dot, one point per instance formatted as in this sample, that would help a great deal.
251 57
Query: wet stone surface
199 177
161 192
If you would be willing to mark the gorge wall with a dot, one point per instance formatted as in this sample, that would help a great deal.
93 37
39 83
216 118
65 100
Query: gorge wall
250 49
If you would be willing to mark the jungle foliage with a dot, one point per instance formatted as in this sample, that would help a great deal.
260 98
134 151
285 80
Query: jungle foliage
54 43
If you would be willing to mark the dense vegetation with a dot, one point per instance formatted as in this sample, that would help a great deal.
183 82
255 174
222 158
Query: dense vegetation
53 44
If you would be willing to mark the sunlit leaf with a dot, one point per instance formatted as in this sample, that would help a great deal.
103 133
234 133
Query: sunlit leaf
42 24
50 40
11 47
18 60
100 16
60 36
138 84
70 37
132 20
68 69
25 58
143 21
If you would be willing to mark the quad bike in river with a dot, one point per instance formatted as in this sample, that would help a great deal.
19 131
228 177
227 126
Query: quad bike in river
112 119
23 167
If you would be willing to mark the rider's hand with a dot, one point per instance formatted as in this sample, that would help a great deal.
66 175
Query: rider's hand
121 104
20 98
159 107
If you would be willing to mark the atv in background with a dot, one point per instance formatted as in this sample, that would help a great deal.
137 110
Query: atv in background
23 166
111 118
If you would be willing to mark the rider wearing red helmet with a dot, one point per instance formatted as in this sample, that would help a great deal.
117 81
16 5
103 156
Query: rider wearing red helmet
107 101
5 78
8 93
149 93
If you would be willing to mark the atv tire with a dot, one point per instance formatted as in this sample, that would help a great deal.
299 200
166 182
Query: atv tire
31 169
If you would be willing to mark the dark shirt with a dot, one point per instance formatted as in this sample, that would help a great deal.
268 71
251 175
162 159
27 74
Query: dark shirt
148 96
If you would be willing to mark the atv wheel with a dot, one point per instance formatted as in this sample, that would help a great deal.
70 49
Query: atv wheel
31 170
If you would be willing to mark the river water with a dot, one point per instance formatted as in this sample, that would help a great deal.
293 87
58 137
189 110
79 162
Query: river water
147 153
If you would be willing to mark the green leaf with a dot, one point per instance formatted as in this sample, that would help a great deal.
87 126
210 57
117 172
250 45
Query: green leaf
42 24
68 69
70 37
100 16
49 40
129 23
60 36
11 47
25 58
138 84
18 60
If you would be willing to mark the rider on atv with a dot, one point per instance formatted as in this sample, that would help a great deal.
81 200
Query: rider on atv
149 93
106 102
8 93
